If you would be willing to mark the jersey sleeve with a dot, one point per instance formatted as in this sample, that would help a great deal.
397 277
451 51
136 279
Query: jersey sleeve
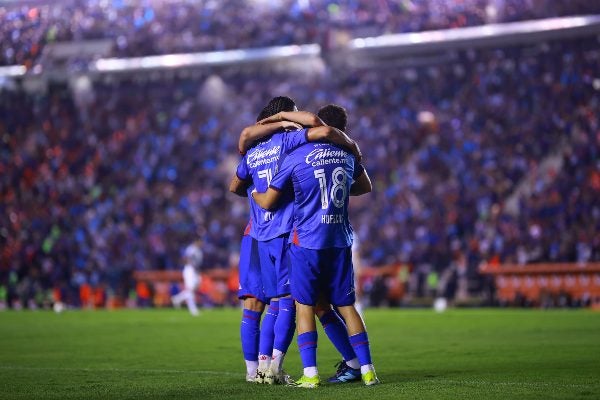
242 171
293 139
358 170
284 173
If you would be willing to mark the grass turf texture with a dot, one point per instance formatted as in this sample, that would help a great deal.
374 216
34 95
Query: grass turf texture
460 354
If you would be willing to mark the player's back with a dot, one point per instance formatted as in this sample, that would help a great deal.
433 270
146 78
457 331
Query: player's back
260 163
322 175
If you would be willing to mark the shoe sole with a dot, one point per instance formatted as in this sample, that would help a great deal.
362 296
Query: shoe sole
307 385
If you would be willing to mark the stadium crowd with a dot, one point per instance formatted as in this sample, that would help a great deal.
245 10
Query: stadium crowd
559 220
139 27
94 187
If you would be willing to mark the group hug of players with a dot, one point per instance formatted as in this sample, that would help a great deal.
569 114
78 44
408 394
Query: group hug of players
298 171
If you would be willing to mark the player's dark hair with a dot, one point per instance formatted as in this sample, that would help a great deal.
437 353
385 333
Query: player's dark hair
334 115
277 104
264 113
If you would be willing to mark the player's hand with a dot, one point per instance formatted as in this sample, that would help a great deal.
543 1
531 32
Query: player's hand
290 126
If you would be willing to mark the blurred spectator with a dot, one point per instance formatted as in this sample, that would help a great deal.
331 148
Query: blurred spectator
138 27
90 192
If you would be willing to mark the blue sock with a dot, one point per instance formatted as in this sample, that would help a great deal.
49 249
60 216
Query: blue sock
267 331
285 324
360 343
335 328
249 332
307 344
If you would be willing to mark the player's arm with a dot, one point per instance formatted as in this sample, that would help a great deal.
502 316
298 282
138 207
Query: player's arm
252 133
267 200
335 136
318 131
303 118
238 186
361 185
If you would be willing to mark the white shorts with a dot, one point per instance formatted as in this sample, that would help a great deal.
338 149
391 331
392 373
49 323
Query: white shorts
191 278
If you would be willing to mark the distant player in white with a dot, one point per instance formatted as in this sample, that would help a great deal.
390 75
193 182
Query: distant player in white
192 257
357 264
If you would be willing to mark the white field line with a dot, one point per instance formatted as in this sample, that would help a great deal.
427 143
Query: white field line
151 371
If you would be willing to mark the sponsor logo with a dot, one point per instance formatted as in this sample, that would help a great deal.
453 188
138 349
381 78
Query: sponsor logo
262 156
321 156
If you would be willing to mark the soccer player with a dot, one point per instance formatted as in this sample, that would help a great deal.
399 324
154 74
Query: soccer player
271 229
250 281
192 258
323 176
335 328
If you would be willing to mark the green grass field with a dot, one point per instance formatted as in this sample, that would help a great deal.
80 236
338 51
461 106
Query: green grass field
460 354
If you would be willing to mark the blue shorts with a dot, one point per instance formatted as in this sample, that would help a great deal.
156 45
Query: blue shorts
326 272
250 278
274 266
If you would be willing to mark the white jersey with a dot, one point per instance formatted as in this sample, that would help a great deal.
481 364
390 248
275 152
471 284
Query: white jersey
193 255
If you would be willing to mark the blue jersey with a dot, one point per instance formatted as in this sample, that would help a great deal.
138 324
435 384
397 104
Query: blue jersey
260 164
321 174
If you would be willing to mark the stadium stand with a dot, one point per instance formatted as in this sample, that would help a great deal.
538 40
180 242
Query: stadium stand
98 184
139 28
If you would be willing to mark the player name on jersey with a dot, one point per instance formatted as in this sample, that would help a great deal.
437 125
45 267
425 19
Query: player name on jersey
332 219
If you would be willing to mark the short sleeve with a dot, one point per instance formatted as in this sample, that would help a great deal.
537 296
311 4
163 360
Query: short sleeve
242 171
358 170
284 174
293 139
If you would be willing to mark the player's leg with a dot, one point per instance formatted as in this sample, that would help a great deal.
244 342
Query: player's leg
286 319
183 293
251 292
187 295
190 282
360 342
283 335
267 328
250 333
307 345
342 295
178 298
335 329
267 337
304 287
